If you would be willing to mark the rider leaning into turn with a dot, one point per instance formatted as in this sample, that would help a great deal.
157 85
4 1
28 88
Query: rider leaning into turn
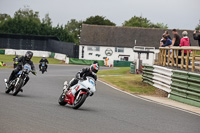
45 61
21 62
91 72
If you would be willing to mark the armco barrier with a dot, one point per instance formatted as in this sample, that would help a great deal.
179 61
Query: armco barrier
181 85
122 63
60 56
157 76
186 87
2 51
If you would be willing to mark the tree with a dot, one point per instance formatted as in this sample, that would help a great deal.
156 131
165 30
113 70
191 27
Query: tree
143 22
74 27
198 26
4 17
27 22
98 20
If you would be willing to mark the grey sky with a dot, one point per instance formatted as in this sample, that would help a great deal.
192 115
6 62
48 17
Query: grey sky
181 14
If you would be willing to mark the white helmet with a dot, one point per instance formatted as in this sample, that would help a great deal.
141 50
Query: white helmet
43 56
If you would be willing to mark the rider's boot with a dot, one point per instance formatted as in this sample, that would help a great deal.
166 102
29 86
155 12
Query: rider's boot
6 82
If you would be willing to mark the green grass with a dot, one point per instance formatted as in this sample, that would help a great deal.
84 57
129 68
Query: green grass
198 52
118 71
9 59
128 82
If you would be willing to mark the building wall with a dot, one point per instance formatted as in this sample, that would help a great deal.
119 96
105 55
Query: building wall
84 53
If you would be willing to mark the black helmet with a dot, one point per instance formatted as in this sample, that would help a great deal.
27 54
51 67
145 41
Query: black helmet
28 55
94 68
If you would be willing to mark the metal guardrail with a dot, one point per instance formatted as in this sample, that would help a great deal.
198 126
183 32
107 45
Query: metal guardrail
175 56
180 85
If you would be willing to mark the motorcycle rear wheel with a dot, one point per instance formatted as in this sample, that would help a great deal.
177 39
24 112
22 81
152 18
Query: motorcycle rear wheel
80 101
61 100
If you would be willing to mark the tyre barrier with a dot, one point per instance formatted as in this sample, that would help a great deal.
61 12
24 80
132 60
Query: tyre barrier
181 86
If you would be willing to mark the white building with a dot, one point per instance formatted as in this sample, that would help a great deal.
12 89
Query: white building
116 43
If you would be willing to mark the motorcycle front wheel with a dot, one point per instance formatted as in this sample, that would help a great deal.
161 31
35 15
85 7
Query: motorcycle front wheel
18 86
79 101
9 89
61 100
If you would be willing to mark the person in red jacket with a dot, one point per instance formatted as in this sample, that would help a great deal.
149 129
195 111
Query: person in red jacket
185 41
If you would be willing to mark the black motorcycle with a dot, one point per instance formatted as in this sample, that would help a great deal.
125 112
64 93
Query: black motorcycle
43 67
17 84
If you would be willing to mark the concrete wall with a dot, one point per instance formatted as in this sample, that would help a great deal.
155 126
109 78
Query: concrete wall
22 52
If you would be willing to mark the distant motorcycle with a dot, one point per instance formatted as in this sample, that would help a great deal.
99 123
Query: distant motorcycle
78 93
17 84
43 67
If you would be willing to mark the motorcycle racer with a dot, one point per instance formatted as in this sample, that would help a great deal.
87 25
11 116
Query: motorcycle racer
22 61
91 72
45 61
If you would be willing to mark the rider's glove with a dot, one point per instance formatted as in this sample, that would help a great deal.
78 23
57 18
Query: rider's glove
78 76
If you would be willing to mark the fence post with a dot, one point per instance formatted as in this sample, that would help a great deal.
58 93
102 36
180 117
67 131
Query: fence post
172 57
177 58
182 58
187 60
168 57
193 59
161 56
164 63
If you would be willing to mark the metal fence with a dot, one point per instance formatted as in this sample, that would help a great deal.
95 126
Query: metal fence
41 43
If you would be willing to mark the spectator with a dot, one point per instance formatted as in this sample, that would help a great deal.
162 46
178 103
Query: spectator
196 36
166 33
162 41
176 38
167 41
185 42
176 42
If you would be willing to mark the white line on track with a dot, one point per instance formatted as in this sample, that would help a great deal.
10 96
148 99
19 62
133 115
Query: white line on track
150 100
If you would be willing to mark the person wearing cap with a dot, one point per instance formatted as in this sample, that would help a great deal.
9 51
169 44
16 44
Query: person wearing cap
45 61
196 36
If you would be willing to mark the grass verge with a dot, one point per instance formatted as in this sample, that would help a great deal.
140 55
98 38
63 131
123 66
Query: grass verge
118 71
9 59
128 82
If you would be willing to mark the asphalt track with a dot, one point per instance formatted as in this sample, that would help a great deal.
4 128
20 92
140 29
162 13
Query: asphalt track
36 110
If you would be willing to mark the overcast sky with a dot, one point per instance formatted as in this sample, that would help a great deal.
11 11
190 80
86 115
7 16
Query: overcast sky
180 14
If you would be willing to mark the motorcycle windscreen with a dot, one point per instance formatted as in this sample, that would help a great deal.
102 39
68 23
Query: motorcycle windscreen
27 67
92 84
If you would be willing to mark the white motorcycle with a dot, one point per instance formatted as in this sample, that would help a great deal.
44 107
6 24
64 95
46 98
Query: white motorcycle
78 93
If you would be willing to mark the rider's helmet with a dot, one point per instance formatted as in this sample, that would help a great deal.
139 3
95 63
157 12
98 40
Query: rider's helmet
94 68
28 55
43 56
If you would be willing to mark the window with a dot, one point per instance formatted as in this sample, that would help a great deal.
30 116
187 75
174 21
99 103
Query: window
120 50
93 48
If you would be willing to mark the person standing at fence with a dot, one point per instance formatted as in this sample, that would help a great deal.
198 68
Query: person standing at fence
196 36
185 42
175 42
